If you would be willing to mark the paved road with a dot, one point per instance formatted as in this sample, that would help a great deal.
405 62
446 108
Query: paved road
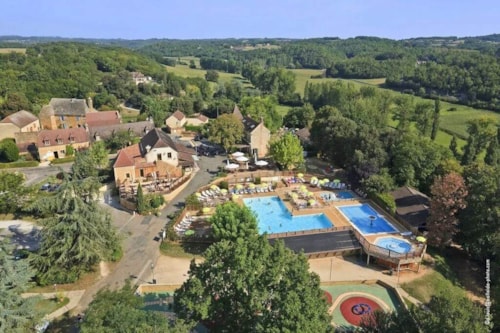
141 236
38 174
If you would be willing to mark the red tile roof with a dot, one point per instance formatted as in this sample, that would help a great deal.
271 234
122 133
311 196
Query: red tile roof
126 156
202 118
103 118
65 136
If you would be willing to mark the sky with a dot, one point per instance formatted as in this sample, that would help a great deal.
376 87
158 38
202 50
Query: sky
200 19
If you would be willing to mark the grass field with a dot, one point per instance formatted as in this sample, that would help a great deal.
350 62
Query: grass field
453 121
13 49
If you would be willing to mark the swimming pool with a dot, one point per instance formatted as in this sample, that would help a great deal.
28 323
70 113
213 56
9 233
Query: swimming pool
273 216
366 219
394 244
344 195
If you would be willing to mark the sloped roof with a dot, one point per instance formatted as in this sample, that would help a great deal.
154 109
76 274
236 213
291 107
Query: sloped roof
156 138
411 205
105 132
202 118
178 115
249 124
303 134
103 118
77 135
67 107
20 118
237 113
127 156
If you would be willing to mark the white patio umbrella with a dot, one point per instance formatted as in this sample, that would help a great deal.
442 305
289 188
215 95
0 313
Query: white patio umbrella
232 166
237 154
242 159
261 163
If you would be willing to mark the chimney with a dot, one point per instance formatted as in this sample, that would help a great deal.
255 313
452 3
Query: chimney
90 103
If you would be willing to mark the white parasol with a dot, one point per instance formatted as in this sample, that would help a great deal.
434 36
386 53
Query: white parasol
261 163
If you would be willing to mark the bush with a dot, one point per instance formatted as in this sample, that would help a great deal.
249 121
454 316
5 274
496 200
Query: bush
70 151
257 181
224 185
155 200
385 200
10 152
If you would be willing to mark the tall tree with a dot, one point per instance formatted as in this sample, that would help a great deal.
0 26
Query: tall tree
253 287
454 147
232 222
141 201
17 314
226 130
435 119
99 154
76 234
481 132
448 198
424 119
403 112
492 156
299 117
287 151
479 224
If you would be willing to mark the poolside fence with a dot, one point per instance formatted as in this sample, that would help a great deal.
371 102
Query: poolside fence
383 253
308 232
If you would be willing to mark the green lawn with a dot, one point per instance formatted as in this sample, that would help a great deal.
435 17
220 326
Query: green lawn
185 71
13 49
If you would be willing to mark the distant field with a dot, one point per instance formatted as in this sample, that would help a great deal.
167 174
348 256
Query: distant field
185 71
13 49
454 121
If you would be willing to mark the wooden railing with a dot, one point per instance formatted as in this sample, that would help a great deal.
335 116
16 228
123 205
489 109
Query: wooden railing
386 254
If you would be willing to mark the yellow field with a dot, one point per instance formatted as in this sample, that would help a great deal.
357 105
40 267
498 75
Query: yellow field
13 49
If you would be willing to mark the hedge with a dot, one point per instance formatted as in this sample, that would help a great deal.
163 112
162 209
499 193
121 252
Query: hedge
63 160
19 164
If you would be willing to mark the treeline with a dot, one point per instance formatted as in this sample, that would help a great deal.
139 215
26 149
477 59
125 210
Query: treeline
462 70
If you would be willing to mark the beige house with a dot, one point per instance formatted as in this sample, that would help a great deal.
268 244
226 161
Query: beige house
64 113
21 121
175 123
51 144
257 136
156 156
138 78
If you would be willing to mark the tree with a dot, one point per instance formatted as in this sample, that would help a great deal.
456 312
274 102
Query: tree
84 166
122 311
264 108
121 139
481 132
492 156
17 314
388 322
423 118
13 194
70 151
76 234
435 119
450 313
299 117
448 198
479 227
287 151
141 201
226 130
252 286
233 222
454 147
378 183
10 152
99 154
212 75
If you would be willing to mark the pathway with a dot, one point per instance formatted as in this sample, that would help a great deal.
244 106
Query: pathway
142 237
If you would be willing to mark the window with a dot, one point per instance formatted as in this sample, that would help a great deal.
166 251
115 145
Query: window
62 118
46 142
141 171
169 155
127 175
77 118
158 157
71 139
59 141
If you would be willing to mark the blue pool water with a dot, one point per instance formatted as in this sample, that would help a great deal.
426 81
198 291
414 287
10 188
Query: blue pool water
366 219
345 195
394 244
273 217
